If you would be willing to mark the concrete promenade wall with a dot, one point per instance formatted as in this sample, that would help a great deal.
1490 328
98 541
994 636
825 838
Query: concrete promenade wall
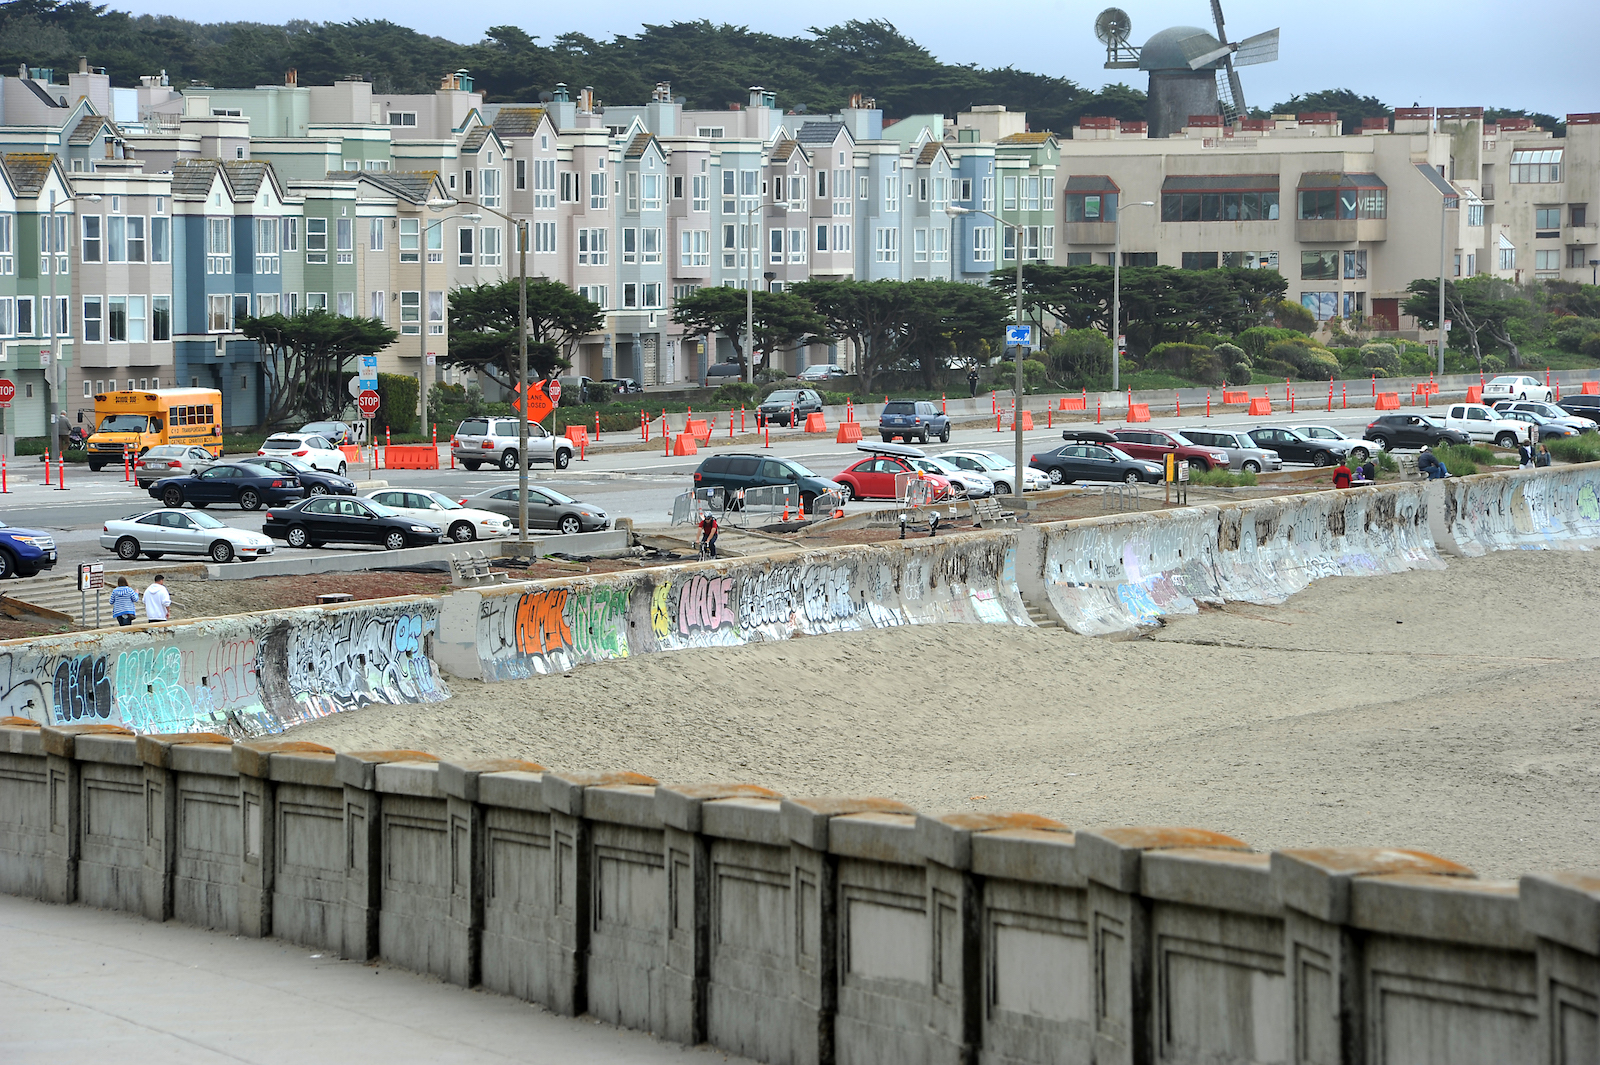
816 931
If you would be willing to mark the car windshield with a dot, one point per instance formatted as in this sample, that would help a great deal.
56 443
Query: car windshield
801 470
124 423
989 461
1433 420
444 501
205 521
787 395
557 496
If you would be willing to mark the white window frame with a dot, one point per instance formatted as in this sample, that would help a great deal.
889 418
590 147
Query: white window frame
693 247
316 240
491 246
94 323
544 238
375 235
411 312
887 245
410 240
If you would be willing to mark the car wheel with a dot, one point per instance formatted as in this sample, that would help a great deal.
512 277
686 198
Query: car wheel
1056 477
1251 467
250 499
944 435
297 536
1360 454
172 497
153 555
1523 396
808 503
462 532
319 489
8 565
472 467
96 467
923 437
1382 442
508 460
127 549
1131 477
563 459
1320 459
1506 440
222 552
570 525
394 541
1201 465
1001 488
342 468
845 493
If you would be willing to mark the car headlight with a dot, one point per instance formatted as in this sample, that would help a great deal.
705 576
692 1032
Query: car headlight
423 529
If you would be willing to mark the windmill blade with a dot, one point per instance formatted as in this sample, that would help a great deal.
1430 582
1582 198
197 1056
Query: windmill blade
1262 48
1216 16
1236 88
1205 59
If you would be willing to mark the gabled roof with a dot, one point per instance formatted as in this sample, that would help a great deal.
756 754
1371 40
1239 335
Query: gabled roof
244 176
1027 138
819 132
640 143
517 121
417 186
241 177
930 152
475 138
192 177
784 150
27 171
89 127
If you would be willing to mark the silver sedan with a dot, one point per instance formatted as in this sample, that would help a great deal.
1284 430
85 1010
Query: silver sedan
181 532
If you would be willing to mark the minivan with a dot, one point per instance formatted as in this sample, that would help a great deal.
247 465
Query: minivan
736 471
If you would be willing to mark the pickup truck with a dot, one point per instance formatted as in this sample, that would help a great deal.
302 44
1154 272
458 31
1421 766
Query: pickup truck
1484 424
494 441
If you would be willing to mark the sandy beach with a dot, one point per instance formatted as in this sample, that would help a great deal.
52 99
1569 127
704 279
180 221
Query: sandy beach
1454 711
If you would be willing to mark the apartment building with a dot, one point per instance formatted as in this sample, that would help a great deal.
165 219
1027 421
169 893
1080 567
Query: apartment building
36 279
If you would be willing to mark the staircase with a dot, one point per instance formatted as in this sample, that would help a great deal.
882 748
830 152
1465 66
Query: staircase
56 594
1039 617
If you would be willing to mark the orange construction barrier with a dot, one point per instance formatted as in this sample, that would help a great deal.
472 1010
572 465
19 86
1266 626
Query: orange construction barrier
698 428
1261 406
684 445
849 433
1235 397
1069 403
1475 393
816 423
1388 401
578 434
351 452
1590 388
1027 420
1137 412
411 457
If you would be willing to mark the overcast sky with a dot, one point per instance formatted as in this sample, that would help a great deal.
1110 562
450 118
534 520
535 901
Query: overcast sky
1470 52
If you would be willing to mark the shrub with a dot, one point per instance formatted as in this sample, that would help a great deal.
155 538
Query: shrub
1221 478
1173 356
1570 334
1379 356
1076 354
1231 354
1256 340
1208 368
735 393
1591 345
1585 448
1462 459
1293 316
1386 462
397 404
1035 374
1493 363
1240 373
1304 358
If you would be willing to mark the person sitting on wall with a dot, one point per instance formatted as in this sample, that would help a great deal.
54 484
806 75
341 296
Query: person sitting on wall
1428 463
1341 475
1367 471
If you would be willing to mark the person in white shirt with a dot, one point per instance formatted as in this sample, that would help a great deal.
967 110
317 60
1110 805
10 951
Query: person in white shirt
157 600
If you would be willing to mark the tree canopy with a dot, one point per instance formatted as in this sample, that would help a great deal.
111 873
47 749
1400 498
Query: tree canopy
305 359
483 328
782 320
1480 309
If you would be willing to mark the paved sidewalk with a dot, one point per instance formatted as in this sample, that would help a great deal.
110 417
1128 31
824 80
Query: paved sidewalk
85 985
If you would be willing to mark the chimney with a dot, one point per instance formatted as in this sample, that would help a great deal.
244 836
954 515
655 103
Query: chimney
291 77
83 64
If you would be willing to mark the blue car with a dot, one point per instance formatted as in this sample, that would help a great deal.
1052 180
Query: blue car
243 483
24 552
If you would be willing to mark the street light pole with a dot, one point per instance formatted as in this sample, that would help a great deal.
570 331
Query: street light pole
522 368
1444 219
1116 299
55 379
750 296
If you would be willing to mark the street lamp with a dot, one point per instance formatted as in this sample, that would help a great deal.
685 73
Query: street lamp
422 238
1016 416
751 250
1116 299
55 380
1445 203
522 370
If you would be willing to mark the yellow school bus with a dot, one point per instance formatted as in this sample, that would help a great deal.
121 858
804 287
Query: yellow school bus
138 421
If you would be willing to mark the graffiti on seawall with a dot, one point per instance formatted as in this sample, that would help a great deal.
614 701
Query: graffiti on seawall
552 629
344 659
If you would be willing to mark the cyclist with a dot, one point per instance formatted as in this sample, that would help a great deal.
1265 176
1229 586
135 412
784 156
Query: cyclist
708 536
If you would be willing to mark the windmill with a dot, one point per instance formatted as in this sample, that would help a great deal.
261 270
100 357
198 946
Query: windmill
1112 26
1262 48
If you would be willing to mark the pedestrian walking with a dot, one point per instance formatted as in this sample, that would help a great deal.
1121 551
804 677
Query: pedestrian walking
157 600
124 602
1525 456
972 382
1543 458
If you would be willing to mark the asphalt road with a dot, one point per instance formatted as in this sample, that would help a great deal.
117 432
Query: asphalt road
639 485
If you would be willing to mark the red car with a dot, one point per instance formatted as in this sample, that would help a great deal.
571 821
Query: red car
873 477
1155 444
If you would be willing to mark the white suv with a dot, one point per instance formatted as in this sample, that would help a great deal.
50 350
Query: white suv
313 450
495 440
1484 425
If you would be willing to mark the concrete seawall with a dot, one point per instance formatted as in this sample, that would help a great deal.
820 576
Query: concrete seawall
818 931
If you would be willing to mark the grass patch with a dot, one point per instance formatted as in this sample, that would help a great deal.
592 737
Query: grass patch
1386 462
1222 479
1585 448
1462 460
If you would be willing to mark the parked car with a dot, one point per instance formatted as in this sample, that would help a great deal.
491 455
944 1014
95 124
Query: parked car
963 481
316 450
906 418
548 509
477 441
460 523
999 469
243 483
622 385
822 371
1154 445
340 519
1293 447
1389 431
313 480
877 475
574 390
24 552
1091 461
733 472
788 406
1547 428
720 373
1511 386
1243 453
1584 423
1483 424
336 433
161 460
181 532
1581 406
1358 449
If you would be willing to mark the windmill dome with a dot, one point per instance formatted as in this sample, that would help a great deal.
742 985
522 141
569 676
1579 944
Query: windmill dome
1172 48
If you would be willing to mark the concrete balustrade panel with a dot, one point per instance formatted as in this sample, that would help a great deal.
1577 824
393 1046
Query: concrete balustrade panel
111 823
1554 507
518 878
416 870
1562 911
307 849
24 810
627 941
209 848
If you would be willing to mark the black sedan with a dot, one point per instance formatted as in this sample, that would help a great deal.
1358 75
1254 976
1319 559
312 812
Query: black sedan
1095 462
1412 430
246 484
330 519
1295 447
313 480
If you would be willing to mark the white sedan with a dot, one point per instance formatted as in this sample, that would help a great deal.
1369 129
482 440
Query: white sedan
459 523
181 532
1514 387
309 448
999 469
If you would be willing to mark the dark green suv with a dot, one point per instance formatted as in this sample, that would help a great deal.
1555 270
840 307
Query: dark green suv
734 472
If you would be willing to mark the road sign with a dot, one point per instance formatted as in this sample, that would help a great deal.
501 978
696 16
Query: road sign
367 402
432 359
44 360
553 389
539 405
353 386
8 392
91 575
1447 325
368 374
1018 334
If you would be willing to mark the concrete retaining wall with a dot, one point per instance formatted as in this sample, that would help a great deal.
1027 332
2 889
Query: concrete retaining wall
811 931
1556 507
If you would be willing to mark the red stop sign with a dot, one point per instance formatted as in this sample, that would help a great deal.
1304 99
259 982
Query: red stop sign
8 391
553 389
367 403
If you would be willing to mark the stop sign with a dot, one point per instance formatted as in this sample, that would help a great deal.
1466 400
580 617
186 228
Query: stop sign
367 403
8 392
553 389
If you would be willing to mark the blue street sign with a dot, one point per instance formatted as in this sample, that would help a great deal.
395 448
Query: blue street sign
1018 334
368 376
